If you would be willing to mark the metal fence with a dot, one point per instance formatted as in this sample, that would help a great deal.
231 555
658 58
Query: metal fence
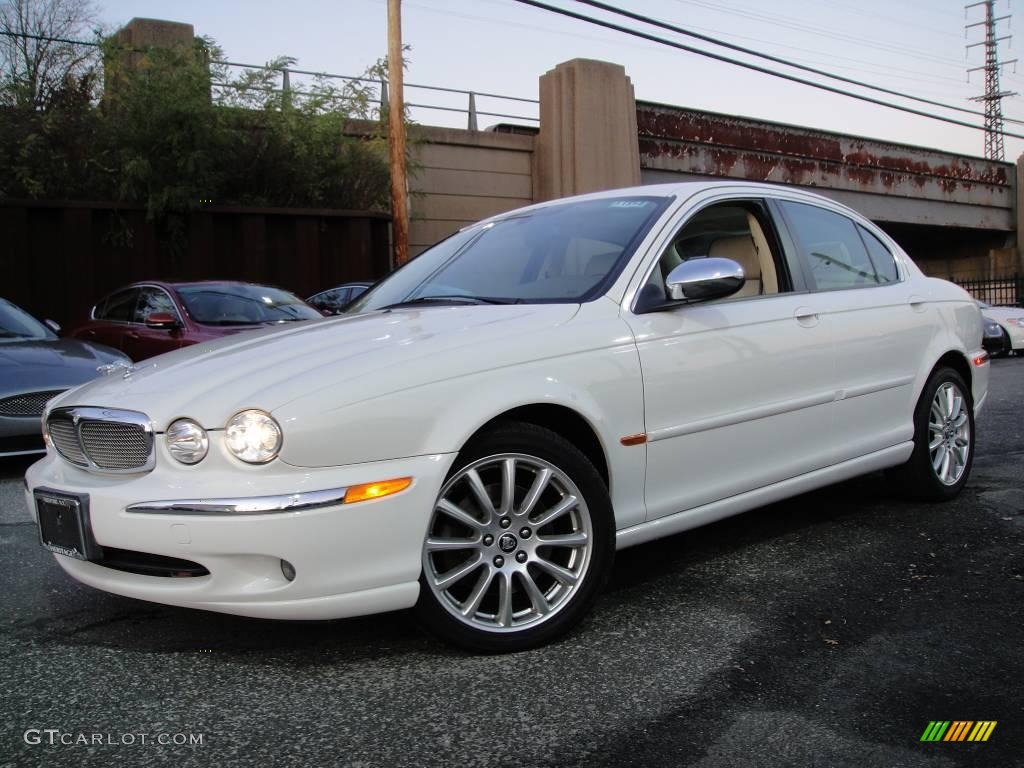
441 99
1007 290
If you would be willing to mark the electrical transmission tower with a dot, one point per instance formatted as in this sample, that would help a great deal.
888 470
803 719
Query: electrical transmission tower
993 96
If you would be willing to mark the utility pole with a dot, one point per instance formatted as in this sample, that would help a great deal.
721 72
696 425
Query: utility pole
993 97
396 136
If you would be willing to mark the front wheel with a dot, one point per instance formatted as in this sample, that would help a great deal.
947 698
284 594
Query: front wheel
943 439
520 542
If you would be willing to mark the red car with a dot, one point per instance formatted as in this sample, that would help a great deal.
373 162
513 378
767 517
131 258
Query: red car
149 318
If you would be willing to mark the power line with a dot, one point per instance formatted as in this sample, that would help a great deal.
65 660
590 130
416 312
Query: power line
752 67
788 23
768 57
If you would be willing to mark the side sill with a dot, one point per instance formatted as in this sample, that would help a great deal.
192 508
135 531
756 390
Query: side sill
717 510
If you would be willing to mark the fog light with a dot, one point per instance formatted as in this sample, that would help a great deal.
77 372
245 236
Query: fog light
288 570
187 441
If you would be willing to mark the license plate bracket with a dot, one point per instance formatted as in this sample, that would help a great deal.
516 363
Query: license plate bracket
64 525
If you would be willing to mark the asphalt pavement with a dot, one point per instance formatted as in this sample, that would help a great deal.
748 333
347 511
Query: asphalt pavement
827 630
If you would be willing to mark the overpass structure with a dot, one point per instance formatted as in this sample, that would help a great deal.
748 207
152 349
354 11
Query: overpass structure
956 215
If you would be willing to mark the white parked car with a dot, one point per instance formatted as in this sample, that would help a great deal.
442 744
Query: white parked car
1010 321
484 428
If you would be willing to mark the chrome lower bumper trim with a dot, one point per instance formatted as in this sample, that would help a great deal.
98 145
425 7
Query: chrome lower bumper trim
252 505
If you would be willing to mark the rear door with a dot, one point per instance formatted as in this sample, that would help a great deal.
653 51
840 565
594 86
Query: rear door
737 392
879 328
111 318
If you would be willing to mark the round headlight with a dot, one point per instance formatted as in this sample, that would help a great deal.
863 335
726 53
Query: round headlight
187 441
253 436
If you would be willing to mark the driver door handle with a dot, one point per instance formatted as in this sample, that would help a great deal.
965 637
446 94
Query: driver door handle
806 317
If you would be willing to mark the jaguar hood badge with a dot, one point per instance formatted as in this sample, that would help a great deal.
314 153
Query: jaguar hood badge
117 365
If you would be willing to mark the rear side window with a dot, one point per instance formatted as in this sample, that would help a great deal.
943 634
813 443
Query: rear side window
831 248
119 306
881 257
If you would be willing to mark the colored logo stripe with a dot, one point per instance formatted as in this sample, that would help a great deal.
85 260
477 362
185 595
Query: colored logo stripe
982 730
958 730
935 730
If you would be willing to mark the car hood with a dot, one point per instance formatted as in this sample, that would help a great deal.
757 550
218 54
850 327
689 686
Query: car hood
42 364
382 351
1002 314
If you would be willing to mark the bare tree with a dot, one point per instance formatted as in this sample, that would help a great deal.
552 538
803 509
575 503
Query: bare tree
37 48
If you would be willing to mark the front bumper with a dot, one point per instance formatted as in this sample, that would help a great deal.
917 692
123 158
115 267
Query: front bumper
20 436
349 559
1016 334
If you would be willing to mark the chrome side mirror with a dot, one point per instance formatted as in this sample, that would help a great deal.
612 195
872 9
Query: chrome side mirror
704 279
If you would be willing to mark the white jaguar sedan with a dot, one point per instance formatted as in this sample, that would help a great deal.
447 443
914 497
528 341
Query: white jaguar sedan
485 427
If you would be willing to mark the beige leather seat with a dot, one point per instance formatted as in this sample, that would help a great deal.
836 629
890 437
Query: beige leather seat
751 252
741 250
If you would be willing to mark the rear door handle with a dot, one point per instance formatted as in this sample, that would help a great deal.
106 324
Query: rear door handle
917 303
808 318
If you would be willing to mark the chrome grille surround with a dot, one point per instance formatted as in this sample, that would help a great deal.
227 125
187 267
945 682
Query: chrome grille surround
105 440
28 404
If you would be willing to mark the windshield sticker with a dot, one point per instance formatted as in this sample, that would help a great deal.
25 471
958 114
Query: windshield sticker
630 204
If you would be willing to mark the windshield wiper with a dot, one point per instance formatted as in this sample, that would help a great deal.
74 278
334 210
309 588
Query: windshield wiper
456 298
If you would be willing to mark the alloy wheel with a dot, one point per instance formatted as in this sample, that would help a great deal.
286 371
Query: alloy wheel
509 543
949 433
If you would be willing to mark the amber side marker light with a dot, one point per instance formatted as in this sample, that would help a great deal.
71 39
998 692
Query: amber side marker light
633 439
981 359
376 490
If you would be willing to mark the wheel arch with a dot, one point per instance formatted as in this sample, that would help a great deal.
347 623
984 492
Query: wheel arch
958 362
565 421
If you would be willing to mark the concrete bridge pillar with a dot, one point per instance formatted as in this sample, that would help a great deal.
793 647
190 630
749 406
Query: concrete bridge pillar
588 131
1019 188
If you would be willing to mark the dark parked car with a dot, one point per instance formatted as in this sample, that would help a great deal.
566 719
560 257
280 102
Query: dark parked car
333 300
35 366
146 319
995 340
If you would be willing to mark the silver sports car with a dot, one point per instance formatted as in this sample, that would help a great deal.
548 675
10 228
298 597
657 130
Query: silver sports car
36 365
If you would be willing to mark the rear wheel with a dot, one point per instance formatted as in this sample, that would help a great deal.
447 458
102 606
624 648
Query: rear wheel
943 439
519 544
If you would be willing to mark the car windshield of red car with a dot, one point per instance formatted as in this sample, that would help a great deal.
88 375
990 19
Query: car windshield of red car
225 304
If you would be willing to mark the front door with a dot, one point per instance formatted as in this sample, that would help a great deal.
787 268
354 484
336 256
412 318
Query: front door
140 341
737 392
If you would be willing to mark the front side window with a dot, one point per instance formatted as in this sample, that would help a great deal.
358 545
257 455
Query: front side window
731 230
831 248
567 252
153 300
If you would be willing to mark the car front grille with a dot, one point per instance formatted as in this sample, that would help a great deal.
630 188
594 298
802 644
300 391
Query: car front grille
103 439
28 405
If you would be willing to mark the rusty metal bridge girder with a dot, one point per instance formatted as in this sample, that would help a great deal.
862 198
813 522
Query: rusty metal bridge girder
893 182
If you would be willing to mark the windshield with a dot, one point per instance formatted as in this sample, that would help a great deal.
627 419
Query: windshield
16 324
569 252
241 304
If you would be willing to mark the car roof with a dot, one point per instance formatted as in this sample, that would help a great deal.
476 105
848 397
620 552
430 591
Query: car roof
679 189
188 284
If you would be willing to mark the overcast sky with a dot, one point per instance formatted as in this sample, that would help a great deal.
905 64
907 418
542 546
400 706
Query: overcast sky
500 46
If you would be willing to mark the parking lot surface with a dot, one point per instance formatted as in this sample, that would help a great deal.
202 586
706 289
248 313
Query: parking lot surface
827 630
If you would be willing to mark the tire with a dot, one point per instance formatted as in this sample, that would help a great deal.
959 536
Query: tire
927 475
1007 347
485 547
